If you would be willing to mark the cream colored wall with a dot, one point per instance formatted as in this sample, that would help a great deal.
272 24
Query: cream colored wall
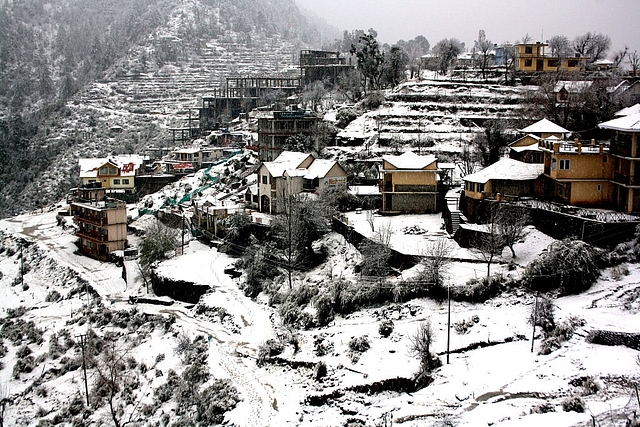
583 166
586 193
414 178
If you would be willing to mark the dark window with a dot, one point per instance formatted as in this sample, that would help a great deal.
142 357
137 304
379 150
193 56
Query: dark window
116 182
528 49
125 181
572 63
528 62
264 179
565 164
552 63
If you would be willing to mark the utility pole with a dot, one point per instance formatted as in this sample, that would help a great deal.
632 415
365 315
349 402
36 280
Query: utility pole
535 319
83 343
182 233
448 320
21 267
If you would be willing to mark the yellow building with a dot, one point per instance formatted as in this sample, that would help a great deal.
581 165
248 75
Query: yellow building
101 222
533 57
409 183
577 173
115 174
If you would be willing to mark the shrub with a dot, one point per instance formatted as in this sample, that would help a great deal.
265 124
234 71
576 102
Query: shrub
322 346
53 296
588 385
385 328
324 309
573 404
344 116
569 266
320 371
269 349
23 365
543 408
357 346
215 400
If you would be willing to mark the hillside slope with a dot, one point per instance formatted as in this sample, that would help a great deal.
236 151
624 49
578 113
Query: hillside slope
70 71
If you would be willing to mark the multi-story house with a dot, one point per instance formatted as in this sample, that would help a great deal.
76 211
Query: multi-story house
101 222
294 173
527 149
577 173
409 183
276 127
533 57
115 174
625 164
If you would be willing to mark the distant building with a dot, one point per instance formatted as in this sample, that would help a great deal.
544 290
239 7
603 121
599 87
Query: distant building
101 222
324 66
276 127
409 183
533 58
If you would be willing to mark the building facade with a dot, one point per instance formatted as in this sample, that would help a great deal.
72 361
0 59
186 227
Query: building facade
101 222
409 184
534 58
276 127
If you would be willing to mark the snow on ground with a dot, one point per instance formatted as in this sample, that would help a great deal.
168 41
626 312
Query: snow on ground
496 385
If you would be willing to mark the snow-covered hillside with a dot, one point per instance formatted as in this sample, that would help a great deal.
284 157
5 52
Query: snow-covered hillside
492 377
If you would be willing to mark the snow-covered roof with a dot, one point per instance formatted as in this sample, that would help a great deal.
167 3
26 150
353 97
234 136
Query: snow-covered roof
319 168
634 109
410 160
521 148
544 126
287 160
128 165
508 169
630 123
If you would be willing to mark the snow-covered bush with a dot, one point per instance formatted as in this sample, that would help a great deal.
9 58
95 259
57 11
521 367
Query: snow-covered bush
357 346
575 404
543 408
569 266
324 309
271 347
385 328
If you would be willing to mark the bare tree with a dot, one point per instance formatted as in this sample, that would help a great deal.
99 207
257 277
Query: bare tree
512 222
376 252
370 218
420 347
634 62
113 379
447 51
560 46
467 162
437 260
594 45
490 242
484 48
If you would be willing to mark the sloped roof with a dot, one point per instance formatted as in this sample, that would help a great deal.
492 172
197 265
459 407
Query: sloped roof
573 86
530 135
319 168
410 161
287 160
634 109
544 126
630 123
507 169
128 165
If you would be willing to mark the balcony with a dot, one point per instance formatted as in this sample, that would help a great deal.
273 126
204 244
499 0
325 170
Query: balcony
388 187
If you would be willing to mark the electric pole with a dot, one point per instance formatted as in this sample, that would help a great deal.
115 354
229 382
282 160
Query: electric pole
448 320
535 319
83 343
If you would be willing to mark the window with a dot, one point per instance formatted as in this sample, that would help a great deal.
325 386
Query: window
552 63
265 179
599 187
565 164
528 49
528 62
479 187
116 182
553 164
113 171
572 63
125 181
104 170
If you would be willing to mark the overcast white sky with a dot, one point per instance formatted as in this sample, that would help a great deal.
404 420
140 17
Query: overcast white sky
502 20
